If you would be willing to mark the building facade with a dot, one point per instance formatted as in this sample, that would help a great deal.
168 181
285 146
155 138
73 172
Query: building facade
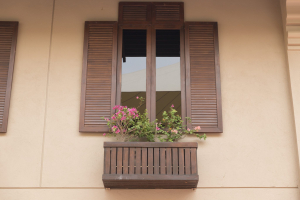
44 156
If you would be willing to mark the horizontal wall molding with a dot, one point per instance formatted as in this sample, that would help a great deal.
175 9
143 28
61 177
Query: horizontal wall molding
83 188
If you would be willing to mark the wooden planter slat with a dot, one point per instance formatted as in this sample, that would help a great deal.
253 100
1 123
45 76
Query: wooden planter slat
175 160
125 161
187 161
113 160
156 160
138 160
144 165
181 161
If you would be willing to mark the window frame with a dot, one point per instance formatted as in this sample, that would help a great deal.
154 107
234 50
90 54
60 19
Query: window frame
148 61
151 24
182 69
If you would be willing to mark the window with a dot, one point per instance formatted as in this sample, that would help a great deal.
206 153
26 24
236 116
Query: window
151 52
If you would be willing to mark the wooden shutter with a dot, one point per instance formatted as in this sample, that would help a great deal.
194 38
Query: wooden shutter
98 75
167 13
203 76
134 13
8 41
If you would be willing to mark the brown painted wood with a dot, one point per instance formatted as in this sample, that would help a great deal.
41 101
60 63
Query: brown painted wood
149 67
167 13
144 161
150 160
113 160
182 77
125 160
203 88
175 160
135 12
119 66
193 161
218 78
132 160
106 160
150 144
98 88
119 160
8 44
156 160
151 13
138 160
150 181
162 160
152 76
170 160
181 160
187 76
151 177
187 161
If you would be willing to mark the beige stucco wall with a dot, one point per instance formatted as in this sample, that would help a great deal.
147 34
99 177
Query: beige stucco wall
21 147
43 156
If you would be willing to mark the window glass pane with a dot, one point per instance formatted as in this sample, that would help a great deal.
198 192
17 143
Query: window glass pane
133 68
168 90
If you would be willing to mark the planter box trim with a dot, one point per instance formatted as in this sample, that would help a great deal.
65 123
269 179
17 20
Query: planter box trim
150 165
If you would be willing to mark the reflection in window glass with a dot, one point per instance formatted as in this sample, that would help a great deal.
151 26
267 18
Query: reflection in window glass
168 89
133 68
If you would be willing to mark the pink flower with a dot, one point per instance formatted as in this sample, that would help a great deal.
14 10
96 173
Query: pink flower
117 131
174 131
197 128
104 134
172 105
123 118
188 129
116 107
113 117
137 97
135 115
114 128
106 119
157 128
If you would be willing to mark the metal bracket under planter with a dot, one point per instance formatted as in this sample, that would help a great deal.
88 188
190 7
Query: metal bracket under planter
150 165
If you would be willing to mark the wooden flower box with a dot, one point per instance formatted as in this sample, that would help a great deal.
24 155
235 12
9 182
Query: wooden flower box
150 165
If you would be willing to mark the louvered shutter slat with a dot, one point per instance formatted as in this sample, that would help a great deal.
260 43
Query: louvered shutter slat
8 41
169 13
98 77
135 13
203 76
